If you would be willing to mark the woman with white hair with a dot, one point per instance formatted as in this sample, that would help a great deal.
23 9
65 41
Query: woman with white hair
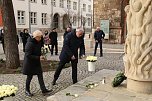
32 64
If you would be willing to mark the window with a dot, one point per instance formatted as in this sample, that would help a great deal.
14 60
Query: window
33 17
62 3
74 5
33 1
21 17
89 22
74 21
84 7
44 18
54 2
44 2
89 8
68 4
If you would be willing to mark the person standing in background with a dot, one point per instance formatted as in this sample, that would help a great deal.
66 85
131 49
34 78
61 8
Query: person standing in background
67 31
54 42
82 48
2 39
24 35
98 36
47 39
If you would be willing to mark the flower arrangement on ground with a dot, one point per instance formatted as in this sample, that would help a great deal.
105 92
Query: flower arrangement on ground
118 79
91 62
74 95
7 91
91 85
91 58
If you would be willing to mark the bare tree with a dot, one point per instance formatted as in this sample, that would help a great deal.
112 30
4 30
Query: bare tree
70 16
10 39
83 22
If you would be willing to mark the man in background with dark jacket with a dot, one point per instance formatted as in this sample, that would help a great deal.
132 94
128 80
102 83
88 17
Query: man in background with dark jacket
82 48
2 39
98 36
54 42
68 30
72 42
24 35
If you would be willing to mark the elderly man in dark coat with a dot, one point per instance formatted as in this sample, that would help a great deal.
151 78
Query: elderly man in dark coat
72 42
98 36
31 64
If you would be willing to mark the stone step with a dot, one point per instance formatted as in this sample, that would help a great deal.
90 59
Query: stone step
81 89
102 92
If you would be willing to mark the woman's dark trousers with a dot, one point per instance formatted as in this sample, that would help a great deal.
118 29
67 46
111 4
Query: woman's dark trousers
40 79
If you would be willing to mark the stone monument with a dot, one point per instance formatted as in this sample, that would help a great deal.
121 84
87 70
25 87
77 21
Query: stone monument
138 46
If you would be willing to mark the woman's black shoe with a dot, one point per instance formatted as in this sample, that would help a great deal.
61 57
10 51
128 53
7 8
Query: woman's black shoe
28 93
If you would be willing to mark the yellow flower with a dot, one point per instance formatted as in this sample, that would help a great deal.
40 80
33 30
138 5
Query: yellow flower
7 90
76 95
91 58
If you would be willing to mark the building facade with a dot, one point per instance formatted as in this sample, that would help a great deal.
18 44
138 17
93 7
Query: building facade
47 14
113 11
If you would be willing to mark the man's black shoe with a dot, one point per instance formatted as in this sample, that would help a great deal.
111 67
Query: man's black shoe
28 93
75 82
101 55
46 92
54 82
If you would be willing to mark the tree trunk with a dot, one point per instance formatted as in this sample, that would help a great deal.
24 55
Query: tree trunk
10 39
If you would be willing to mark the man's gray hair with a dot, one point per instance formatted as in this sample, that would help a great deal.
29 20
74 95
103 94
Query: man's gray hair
79 29
98 27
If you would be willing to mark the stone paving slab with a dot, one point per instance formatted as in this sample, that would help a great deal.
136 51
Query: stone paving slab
103 92
80 87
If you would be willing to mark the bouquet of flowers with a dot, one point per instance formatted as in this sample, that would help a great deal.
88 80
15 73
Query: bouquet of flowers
74 95
119 78
44 51
91 85
91 58
7 91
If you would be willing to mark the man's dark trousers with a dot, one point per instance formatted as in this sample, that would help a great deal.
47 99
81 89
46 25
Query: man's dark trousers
74 70
96 46
56 49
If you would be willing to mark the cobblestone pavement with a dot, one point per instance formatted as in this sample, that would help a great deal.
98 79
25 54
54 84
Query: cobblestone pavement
112 59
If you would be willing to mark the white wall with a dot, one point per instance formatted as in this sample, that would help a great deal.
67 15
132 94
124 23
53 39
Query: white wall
40 8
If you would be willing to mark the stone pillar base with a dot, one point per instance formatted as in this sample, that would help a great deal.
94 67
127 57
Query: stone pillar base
139 86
